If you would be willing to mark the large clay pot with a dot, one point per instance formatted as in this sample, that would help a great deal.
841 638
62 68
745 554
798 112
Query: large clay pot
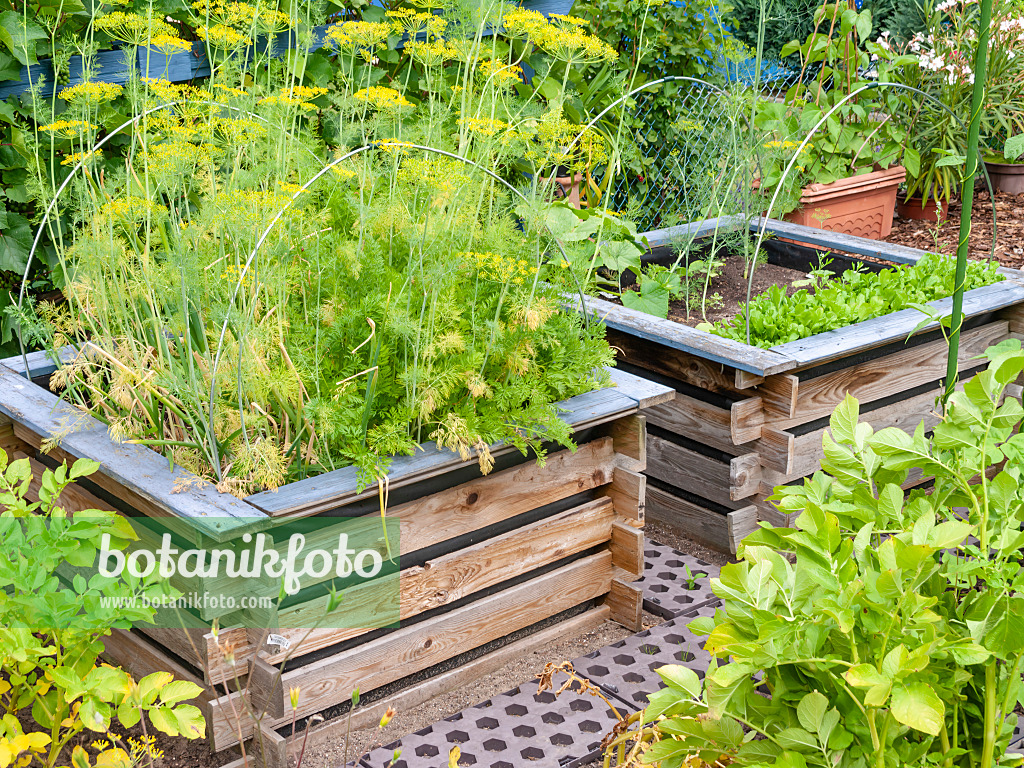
915 208
857 205
1006 177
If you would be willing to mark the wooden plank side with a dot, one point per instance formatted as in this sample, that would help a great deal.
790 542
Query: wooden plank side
721 532
627 548
450 578
676 364
694 230
645 392
897 326
884 376
761 362
628 492
420 646
695 420
629 438
720 481
488 500
625 603
334 489
822 238
708 423
779 394
133 472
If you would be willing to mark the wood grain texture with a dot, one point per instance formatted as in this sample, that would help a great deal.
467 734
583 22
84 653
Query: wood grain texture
776 448
779 394
134 473
181 66
714 529
420 646
905 414
709 423
761 362
720 481
629 439
628 492
645 392
450 578
887 375
627 548
332 490
676 364
264 688
407 699
411 696
625 603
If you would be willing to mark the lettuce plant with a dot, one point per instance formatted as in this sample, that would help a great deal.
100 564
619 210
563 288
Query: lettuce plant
884 629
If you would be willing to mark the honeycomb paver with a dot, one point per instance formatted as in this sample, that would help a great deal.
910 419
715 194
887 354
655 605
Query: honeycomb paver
668 592
1016 746
627 668
516 729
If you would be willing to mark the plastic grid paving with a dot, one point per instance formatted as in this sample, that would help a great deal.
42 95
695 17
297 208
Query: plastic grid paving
627 668
522 728
516 729
668 592
1017 740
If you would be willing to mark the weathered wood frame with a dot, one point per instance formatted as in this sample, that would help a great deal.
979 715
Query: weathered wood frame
746 419
511 550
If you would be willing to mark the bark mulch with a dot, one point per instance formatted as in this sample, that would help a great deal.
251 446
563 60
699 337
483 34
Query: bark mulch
1009 214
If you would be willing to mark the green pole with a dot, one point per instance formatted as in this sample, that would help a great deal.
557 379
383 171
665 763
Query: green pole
967 195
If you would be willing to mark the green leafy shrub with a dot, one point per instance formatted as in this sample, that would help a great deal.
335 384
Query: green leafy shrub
884 629
794 19
776 317
52 623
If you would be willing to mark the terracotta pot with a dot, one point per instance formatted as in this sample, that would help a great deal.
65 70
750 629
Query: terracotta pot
1006 177
857 205
914 208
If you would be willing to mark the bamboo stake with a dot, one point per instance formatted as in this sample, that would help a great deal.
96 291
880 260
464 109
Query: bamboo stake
967 196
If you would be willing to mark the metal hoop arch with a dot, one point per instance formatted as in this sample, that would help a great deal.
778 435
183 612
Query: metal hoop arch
266 233
81 164
807 138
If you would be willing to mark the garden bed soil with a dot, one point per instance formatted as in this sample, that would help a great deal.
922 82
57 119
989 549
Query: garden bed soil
1009 211
731 286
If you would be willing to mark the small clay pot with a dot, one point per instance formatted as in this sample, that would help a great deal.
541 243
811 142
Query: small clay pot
1006 177
915 208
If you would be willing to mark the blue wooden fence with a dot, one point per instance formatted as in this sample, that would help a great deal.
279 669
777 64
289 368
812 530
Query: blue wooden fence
181 66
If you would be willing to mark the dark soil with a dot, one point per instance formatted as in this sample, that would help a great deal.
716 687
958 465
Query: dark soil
730 286
1009 213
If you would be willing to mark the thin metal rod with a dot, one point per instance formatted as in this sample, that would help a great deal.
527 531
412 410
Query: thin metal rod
286 206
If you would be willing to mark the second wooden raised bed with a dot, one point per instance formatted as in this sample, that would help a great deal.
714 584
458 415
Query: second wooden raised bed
745 420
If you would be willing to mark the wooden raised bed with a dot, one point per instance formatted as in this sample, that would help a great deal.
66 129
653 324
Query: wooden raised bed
482 557
745 420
